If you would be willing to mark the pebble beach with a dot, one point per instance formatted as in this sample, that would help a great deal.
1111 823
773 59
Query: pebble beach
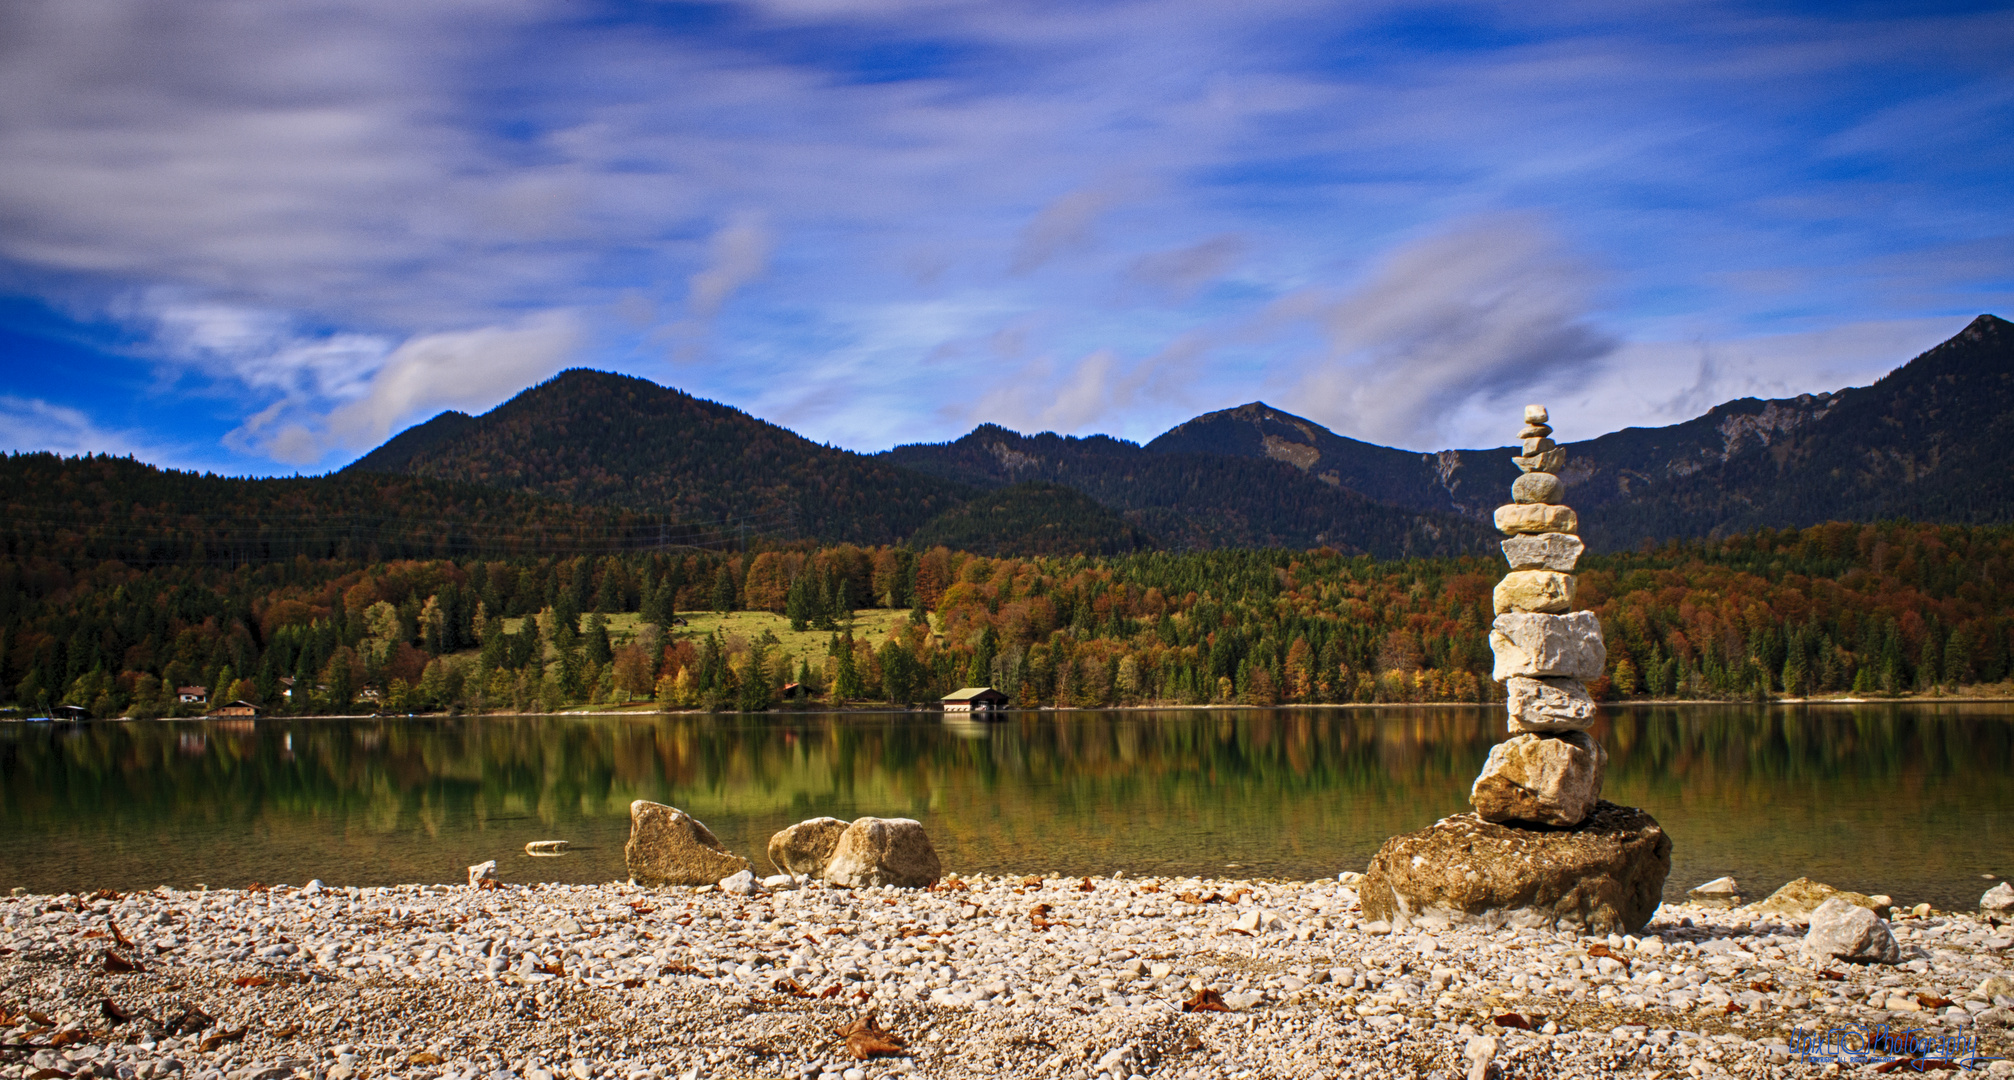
977 977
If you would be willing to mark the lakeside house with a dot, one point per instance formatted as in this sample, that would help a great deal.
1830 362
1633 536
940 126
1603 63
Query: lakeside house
192 695
239 708
69 712
975 699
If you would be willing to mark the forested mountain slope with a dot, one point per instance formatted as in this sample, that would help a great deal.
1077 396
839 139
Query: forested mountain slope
84 509
597 438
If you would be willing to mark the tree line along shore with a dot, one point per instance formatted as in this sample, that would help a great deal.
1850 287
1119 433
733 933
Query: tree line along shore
1887 609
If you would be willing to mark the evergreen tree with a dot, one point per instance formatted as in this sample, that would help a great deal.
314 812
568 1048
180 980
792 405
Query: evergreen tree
846 683
723 589
599 652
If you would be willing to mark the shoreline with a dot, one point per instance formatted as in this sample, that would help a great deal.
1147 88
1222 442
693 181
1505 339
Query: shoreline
620 710
981 976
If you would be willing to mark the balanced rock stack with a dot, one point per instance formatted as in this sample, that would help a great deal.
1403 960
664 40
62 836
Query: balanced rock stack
1549 771
1542 849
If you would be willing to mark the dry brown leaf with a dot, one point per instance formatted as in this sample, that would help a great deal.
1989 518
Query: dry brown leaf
866 1038
1031 883
48 1074
220 1038
631 984
119 935
863 1045
790 986
423 1058
258 886
1150 888
1512 1020
69 1038
1833 976
557 968
832 991
119 965
1206 1000
1086 886
1732 1008
1932 1001
1764 987
287 1032
40 1018
250 980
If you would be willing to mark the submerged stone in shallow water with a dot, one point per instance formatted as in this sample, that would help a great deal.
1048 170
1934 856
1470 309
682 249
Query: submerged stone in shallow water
1605 875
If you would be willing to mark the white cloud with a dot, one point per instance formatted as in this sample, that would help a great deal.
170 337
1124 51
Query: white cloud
1478 315
740 253
34 424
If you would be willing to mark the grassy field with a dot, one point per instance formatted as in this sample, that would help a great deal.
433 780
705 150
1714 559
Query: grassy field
869 624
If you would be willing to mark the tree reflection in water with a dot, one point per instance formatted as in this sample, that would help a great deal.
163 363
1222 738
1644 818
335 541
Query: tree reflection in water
1913 800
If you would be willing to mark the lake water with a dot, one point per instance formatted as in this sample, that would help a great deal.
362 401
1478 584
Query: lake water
1916 800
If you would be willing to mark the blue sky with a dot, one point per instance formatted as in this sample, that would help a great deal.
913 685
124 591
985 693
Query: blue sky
260 238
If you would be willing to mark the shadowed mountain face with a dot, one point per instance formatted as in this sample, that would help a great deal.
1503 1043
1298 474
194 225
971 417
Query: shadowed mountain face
599 438
1201 500
1929 441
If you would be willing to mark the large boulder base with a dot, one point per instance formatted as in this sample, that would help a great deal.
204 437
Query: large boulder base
1604 876
883 851
1548 779
668 846
803 849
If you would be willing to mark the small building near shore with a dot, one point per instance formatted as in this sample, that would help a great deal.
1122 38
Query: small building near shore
239 708
192 695
975 699
70 712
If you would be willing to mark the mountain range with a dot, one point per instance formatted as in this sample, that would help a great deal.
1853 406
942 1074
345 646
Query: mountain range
591 451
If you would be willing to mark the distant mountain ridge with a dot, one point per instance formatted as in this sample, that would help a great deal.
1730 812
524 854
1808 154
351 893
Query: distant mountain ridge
1928 441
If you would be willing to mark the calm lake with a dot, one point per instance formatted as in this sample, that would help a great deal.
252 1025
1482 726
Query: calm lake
1914 800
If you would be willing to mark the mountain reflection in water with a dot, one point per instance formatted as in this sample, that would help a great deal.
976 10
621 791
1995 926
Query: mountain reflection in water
1913 800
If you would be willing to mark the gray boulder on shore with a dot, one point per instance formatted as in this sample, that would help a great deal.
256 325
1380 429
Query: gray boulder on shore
803 849
1843 930
1605 875
883 851
1999 900
668 846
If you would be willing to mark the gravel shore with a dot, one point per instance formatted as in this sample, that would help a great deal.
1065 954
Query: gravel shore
979 977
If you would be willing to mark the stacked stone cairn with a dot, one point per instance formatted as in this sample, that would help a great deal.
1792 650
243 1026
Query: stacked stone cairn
1542 849
1549 771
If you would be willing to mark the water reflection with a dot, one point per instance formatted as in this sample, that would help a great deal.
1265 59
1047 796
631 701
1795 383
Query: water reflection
1914 800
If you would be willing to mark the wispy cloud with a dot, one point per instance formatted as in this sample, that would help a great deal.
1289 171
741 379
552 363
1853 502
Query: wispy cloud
1170 206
